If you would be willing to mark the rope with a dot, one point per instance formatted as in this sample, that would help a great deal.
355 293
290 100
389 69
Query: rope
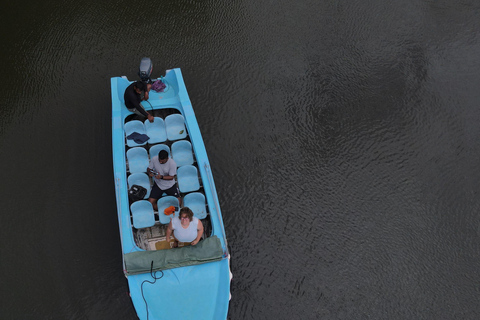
154 276
151 107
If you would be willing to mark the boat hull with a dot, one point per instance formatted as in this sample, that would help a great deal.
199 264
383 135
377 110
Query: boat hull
198 291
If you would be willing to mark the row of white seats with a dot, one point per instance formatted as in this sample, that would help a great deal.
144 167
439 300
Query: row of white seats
143 214
138 159
173 128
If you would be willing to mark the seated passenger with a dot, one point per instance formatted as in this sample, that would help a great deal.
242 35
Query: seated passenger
134 94
163 170
185 227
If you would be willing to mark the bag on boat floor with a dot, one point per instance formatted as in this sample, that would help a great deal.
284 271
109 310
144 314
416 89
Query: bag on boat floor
159 86
136 193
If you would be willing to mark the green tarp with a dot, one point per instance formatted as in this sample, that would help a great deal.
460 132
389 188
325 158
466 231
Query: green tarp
207 250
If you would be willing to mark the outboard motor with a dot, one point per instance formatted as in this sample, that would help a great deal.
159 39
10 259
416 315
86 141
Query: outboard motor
145 70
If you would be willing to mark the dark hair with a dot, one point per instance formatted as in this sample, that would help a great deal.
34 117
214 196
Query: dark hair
139 85
187 211
163 154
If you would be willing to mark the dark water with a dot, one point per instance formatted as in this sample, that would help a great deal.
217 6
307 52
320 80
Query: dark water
344 139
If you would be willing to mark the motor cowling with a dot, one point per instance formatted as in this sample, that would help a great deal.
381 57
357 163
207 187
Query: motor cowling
145 69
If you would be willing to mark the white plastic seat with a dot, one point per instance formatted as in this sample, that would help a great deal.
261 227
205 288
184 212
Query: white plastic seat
182 153
131 127
142 213
137 160
187 177
155 130
163 203
175 126
154 150
196 202
140 179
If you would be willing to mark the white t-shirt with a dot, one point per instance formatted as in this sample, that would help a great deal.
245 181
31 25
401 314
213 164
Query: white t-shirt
167 169
185 235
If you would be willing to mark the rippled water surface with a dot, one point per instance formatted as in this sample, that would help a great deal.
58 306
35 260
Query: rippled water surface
344 139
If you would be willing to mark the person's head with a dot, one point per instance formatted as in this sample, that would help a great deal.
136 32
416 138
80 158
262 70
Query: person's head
185 213
139 86
163 156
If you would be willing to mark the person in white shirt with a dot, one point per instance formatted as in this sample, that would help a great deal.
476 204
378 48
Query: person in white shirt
163 170
185 227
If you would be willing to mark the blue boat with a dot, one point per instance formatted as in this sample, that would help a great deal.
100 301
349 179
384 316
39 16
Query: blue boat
189 282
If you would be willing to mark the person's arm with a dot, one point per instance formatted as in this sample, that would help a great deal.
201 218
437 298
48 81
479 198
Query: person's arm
150 169
151 174
199 233
149 86
169 231
142 110
146 96
165 177
172 173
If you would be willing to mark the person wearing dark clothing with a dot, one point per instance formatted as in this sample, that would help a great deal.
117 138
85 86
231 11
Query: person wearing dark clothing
134 95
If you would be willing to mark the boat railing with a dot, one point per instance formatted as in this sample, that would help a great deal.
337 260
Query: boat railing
120 216
217 206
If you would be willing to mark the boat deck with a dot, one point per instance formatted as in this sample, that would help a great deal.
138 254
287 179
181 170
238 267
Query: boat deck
149 238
